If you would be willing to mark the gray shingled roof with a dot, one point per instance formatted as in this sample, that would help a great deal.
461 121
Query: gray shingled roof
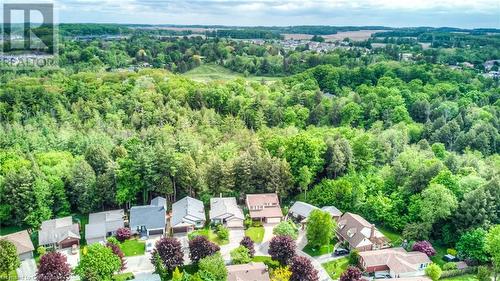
187 211
225 207
159 201
302 209
153 217
56 230
332 210
103 222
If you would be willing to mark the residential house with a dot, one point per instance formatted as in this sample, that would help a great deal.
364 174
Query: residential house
300 211
397 261
264 207
103 224
336 213
59 233
149 219
254 271
360 234
187 214
22 241
224 210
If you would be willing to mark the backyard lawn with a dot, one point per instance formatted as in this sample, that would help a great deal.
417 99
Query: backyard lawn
395 237
133 247
336 267
440 252
466 277
210 234
255 233
325 249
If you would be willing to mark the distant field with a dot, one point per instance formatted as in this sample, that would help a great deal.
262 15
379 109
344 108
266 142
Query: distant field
212 72
353 35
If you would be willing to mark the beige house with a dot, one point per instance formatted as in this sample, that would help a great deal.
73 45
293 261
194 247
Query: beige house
22 241
264 207
254 271
397 261
59 233
360 234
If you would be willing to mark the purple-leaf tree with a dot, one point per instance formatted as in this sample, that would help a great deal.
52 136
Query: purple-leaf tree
170 252
53 266
352 273
200 247
117 251
248 243
424 247
303 270
123 234
282 249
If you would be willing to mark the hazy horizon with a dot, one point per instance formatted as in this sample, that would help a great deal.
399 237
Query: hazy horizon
428 13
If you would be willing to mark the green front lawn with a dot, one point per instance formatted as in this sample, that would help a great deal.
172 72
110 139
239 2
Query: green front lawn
261 259
210 234
336 267
323 250
466 277
123 276
133 247
255 233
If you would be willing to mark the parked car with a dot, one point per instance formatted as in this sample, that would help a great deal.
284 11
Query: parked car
450 258
382 275
149 247
340 252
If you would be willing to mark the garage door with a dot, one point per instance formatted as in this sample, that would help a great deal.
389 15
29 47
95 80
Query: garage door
273 220
156 232
234 223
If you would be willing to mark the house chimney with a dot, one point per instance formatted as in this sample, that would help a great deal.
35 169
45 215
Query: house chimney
372 232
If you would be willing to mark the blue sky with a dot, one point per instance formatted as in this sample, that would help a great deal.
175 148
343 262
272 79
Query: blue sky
456 13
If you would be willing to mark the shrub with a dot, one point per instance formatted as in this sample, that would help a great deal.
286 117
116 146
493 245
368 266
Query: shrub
282 249
452 252
118 252
450 266
352 273
433 271
249 244
256 223
123 234
303 270
41 250
281 274
214 266
200 247
240 255
113 240
53 266
424 247
169 250
483 273
286 228
354 257
222 232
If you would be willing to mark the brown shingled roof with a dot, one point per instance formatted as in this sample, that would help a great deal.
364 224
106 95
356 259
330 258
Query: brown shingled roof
254 271
21 240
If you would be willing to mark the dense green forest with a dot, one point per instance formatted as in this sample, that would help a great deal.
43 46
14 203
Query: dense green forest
413 147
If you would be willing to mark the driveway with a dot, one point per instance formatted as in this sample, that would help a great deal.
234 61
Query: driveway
27 270
139 264
183 238
263 248
235 236
73 259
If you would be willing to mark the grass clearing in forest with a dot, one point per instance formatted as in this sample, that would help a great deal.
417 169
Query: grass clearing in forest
213 72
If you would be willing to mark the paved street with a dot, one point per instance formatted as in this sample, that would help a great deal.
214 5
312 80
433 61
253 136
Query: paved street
27 270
